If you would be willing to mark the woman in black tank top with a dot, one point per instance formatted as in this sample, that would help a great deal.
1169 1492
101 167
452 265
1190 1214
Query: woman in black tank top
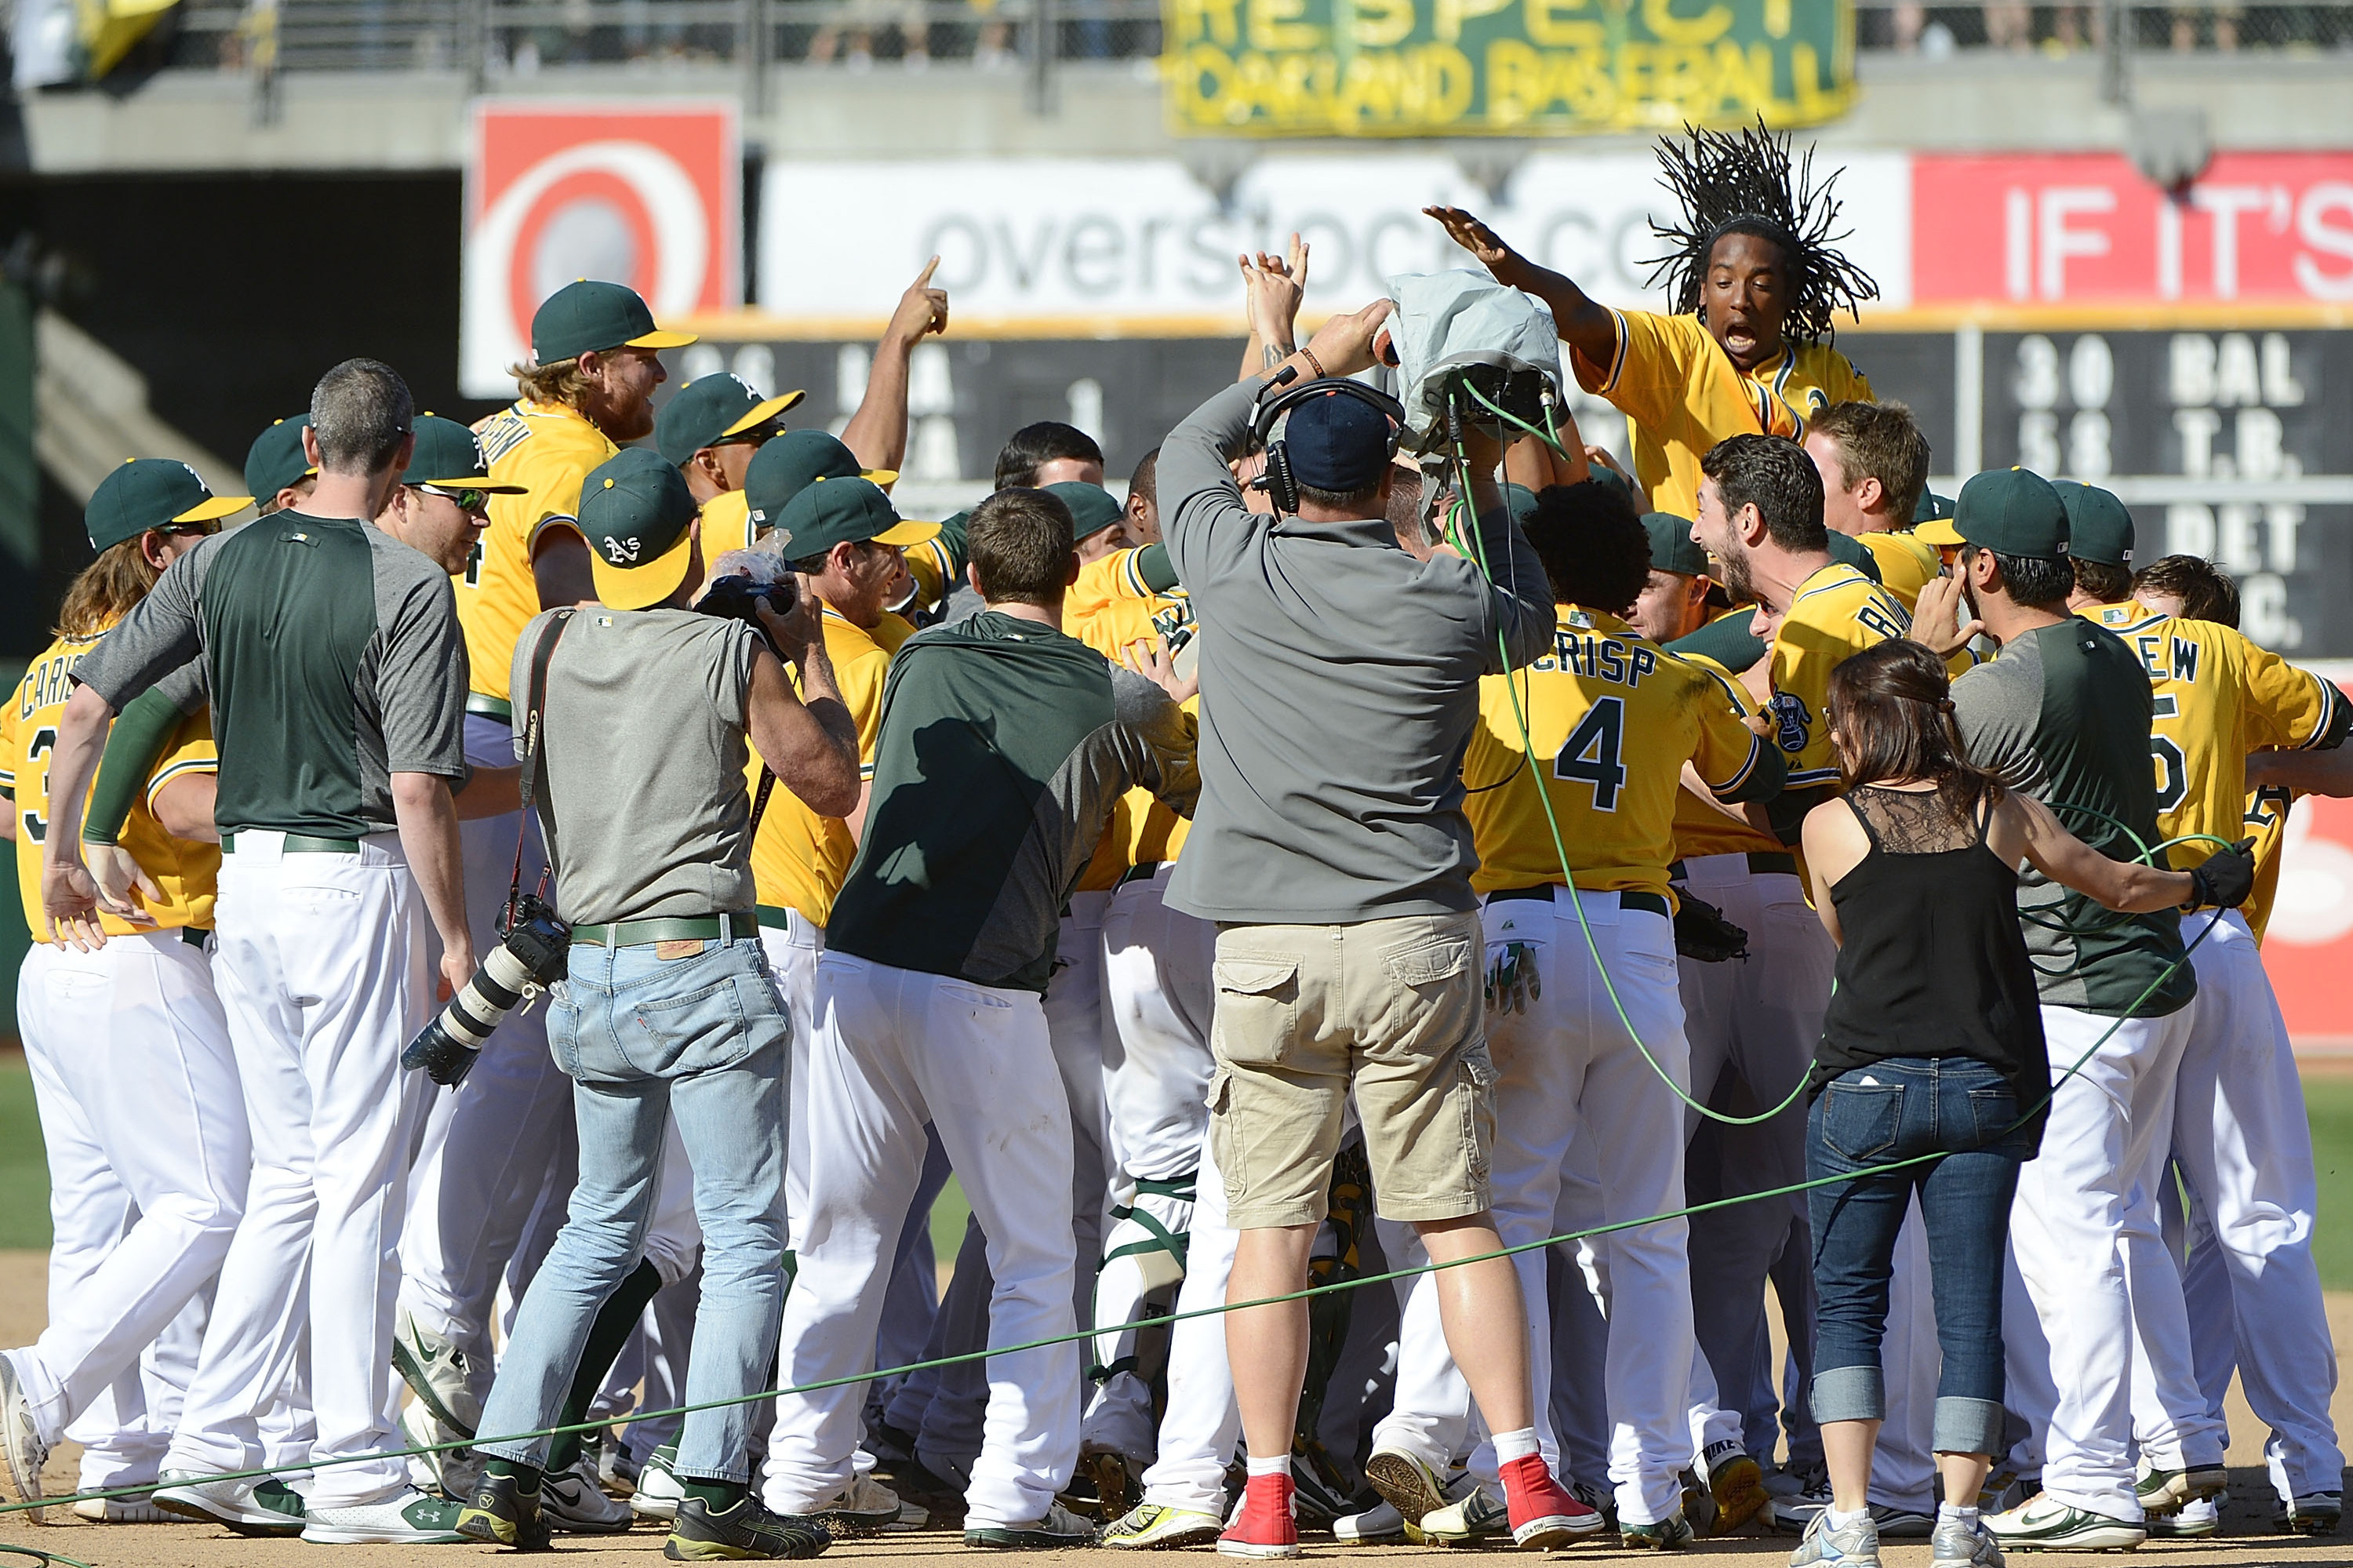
1932 1045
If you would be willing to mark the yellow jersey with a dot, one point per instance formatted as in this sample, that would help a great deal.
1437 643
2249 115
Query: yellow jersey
183 870
1109 608
2266 822
1611 719
726 524
1699 828
2219 696
1681 396
798 858
1905 565
1835 613
548 449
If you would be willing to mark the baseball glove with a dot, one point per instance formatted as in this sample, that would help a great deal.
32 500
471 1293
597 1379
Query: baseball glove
1702 932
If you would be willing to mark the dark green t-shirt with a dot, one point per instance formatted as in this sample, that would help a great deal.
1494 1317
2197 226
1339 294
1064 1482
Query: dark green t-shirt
1003 745
2064 715
334 660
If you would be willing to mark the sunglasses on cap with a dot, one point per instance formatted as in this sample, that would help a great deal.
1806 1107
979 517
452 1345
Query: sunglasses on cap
473 502
759 435
209 526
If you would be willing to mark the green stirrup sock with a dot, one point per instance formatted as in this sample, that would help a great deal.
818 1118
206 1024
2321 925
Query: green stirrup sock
607 1335
718 1496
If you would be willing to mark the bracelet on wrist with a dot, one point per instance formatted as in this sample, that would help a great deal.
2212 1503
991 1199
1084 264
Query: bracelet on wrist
1313 363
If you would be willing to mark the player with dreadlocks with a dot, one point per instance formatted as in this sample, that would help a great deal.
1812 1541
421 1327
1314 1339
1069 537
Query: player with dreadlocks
1755 282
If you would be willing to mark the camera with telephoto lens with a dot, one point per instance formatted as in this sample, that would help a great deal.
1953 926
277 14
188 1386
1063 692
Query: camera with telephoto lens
528 959
740 598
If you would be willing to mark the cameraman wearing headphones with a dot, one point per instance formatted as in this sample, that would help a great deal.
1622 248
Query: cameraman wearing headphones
1339 686
643 709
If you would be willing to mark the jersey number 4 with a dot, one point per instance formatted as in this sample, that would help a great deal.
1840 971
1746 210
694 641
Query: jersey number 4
1590 753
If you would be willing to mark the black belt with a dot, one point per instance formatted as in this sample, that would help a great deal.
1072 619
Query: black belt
677 928
1139 871
1638 898
301 844
194 936
489 707
1761 863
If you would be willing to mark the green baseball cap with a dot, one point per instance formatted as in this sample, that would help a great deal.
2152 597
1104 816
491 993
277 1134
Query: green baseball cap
276 459
634 511
2012 512
2098 527
152 493
448 457
1092 510
795 461
1673 548
709 410
588 316
831 512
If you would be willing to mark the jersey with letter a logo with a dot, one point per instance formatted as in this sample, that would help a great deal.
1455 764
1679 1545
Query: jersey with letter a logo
182 869
1611 719
1679 390
1835 613
2219 696
548 449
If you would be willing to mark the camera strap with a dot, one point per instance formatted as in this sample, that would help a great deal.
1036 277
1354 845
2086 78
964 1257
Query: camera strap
536 702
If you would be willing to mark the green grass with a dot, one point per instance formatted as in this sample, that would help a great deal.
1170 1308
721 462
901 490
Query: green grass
2328 1102
23 1172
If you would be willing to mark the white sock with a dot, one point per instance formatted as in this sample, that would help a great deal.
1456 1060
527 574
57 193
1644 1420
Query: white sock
1511 1446
1952 1513
1841 1520
1278 1466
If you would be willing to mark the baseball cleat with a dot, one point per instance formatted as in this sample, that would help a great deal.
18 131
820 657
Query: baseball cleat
744 1532
412 1519
1737 1485
1380 1526
20 1434
2309 1513
1149 1527
2163 1491
436 1371
1668 1534
125 1511
659 1490
1057 1529
1478 1515
2190 1520
268 1507
1405 1483
867 1507
574 1504
2045 1524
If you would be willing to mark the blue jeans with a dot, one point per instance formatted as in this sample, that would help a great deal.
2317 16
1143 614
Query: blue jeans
704 1038
1892 1110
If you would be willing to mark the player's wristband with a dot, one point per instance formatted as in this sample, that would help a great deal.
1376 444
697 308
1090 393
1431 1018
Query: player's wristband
142 731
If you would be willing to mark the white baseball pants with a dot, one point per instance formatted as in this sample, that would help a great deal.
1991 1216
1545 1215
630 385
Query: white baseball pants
891 1046
144 1127
323 971
1569 1072
2087 1238
1202 1424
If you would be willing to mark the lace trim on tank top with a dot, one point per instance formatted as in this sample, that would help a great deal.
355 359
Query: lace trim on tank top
1907 822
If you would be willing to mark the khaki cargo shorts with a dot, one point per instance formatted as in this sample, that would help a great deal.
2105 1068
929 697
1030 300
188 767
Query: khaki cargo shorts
1392 1009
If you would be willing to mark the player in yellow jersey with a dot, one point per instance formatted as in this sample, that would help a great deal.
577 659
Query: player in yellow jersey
2240 1138
132 1074
1611 721
710 428
1746 351
1874 466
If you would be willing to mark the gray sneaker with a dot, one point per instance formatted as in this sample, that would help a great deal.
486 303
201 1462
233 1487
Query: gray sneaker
1956 1543
1856 1546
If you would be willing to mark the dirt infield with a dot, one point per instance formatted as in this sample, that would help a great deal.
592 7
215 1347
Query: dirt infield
2246 1538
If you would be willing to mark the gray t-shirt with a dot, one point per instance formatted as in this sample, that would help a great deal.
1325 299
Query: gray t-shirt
642 755
333 658
1339 686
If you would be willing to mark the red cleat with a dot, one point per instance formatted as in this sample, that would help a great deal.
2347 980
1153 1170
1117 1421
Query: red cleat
1543 1515
1265 1528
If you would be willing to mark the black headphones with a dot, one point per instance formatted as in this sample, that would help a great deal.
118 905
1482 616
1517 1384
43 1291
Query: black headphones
1286 392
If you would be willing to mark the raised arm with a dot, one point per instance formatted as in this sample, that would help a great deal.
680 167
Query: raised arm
877 434
811 746
1583 325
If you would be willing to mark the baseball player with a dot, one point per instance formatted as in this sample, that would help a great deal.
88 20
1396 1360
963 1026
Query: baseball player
1874 466
277 469
711 428
930 994
1747 350
594 365
314 627
2240 1134
133 1073
1580 998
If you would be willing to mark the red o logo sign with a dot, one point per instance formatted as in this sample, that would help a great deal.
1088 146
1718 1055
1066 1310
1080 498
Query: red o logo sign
648 196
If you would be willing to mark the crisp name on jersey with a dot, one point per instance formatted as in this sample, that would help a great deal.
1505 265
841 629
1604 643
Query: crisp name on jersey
45 684
2167 658
1599 658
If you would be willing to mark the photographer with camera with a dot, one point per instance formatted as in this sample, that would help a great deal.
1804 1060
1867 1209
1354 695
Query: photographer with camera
636 717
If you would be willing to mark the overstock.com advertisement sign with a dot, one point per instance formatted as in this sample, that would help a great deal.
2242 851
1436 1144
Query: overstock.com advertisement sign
1142 246
649 195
